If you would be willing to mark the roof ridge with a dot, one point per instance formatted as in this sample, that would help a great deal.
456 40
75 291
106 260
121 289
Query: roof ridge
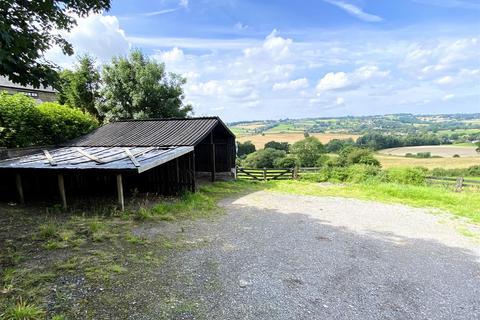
166 119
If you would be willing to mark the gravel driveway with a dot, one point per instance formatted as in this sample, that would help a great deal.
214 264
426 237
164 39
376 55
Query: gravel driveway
276 256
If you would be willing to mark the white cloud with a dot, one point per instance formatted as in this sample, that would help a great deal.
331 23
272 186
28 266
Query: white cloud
97 35
183 3
444 80
342 80
159 12
340 101
274 47
240 26
174 55
448 97
291 85
355 11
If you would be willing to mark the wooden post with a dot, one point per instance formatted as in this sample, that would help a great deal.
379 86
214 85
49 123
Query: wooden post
178 175
213 161
459 185
61 188
121 201
265 174
194 175
18 181
295 172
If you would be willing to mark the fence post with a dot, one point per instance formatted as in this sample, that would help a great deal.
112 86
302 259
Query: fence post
265 174
459 185
295 172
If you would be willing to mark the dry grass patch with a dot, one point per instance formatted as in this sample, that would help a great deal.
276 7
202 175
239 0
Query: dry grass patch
429 163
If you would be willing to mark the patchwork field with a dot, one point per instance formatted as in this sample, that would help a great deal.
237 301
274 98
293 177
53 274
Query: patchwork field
260 140
442 151
390 161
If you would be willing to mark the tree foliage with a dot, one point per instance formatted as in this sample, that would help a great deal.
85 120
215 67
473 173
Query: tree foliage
307 151
23 123
79 88
136 87
285 146
353 155
29 28
245 148
264 158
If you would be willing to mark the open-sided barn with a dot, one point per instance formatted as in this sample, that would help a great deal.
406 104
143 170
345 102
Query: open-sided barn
156 155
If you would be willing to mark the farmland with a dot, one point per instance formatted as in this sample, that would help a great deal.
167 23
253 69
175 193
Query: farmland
389 161
259 140
441 151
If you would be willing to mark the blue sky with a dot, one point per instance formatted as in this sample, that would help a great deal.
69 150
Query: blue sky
249 60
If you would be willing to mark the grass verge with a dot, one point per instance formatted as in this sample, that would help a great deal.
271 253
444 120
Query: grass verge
464 204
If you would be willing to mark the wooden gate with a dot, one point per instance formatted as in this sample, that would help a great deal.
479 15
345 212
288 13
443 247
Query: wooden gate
265 174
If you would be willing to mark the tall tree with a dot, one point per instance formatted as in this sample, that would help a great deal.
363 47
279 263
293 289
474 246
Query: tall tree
137 88
80 88
307 151
29 28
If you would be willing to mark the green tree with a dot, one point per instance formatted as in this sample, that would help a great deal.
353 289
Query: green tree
307 151
136 87
245 148
29 28
80 88
278 145
353 155
478 147
264 158
286 162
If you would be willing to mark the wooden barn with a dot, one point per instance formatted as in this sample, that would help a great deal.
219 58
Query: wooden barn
163 156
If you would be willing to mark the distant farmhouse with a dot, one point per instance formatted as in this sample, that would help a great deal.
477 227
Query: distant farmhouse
42 94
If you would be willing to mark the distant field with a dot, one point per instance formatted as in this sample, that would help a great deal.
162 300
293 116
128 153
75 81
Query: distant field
430 163
259 140
253 125
442 151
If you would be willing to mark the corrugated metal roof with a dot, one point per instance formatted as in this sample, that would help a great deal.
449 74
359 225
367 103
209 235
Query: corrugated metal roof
113 158
152 132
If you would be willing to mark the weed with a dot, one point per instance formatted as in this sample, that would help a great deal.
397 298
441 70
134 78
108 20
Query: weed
23 311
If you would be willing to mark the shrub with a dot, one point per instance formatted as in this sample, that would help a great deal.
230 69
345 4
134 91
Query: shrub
245 148
20 121
263 158
323 160
414 176
23 124
336 145
456 156
285 146
286 162
353 155
359 173
61 123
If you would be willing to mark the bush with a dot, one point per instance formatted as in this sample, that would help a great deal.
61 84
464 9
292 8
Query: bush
286 162
323 160
245 148
23 123
336 145
414 176
353 155
20 121
359 173
285 146
456 156
263 158
61 123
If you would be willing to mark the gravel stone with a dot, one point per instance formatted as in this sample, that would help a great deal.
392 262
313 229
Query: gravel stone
277 256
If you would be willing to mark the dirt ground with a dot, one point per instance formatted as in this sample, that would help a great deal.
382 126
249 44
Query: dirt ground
270 256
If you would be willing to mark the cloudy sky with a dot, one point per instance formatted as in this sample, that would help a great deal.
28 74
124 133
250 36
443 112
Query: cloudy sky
251 59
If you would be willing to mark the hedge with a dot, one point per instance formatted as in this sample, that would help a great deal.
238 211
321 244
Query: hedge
24 124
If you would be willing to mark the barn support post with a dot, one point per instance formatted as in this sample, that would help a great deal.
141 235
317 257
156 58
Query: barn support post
212 145
61 188
194 175
18 182
177 167
121 201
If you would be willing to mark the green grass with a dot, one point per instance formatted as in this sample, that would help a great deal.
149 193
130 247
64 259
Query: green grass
464 204
23 311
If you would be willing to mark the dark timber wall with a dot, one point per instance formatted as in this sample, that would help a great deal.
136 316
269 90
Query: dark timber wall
223 144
